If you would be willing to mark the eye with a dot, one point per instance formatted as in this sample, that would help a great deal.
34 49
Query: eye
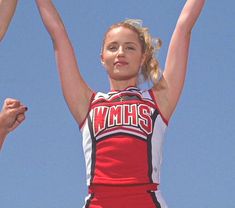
112 47
130 48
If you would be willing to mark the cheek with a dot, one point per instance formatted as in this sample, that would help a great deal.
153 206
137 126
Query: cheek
107 59
138 60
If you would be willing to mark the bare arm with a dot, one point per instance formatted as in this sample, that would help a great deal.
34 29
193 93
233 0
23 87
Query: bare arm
76 92
11 116
7 9
177 57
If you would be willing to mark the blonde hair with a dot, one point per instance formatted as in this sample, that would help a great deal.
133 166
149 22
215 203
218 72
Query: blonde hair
150 70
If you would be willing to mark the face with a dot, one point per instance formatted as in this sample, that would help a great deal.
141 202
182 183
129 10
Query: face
122 54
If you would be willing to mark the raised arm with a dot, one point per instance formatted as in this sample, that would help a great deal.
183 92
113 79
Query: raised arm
76 92
176 61
7 9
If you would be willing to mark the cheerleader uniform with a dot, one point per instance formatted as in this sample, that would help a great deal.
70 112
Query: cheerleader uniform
122 141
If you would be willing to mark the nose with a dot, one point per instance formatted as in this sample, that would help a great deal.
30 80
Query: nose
121 51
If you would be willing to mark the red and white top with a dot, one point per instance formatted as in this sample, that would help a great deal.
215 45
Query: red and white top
122 138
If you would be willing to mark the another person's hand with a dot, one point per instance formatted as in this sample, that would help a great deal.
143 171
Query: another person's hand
11 116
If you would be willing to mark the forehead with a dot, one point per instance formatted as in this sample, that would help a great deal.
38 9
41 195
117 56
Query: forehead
121 34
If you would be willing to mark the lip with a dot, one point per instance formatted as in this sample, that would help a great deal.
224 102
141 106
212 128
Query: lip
120 63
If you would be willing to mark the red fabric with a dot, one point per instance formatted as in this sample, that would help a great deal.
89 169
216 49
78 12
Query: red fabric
115 165
136 196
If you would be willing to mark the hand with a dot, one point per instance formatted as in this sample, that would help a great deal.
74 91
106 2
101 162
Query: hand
12 115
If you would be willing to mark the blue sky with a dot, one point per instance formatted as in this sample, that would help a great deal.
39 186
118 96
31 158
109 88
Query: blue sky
42 164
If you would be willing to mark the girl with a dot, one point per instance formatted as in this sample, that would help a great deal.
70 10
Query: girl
123 130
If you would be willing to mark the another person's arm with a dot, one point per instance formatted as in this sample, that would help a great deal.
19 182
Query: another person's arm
11 116
7 9
76 92
177 57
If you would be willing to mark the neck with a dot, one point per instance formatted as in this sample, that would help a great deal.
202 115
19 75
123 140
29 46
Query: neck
122 84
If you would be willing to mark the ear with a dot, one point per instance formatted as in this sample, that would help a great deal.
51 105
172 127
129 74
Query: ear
102 58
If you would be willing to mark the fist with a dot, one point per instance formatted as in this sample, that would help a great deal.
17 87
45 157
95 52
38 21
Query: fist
12 114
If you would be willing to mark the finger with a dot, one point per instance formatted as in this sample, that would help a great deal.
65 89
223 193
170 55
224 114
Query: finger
18 110
20 118
9 101
21 109
14 104
15 125
16 115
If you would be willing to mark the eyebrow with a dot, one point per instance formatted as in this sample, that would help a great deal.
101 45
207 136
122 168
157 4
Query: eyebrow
115 42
